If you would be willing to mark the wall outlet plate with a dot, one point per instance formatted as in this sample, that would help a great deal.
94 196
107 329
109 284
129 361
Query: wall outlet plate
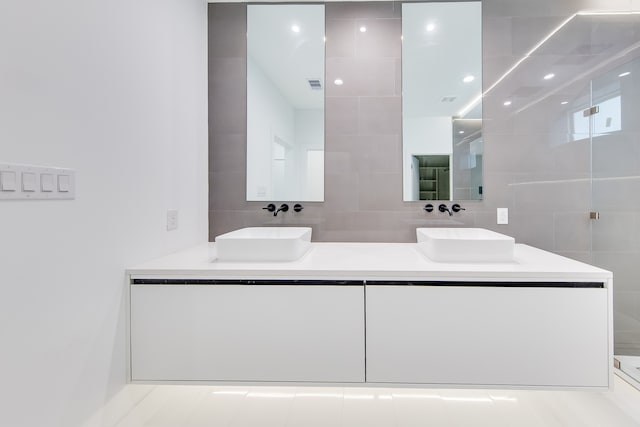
172 219
503 216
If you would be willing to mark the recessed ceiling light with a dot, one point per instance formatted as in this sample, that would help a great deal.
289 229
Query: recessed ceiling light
295 28
363 29
431 27
626 73
338 82
468 79
564 102
461 132
507 103
549 76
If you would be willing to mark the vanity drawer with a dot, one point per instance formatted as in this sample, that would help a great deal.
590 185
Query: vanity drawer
247 333
502 336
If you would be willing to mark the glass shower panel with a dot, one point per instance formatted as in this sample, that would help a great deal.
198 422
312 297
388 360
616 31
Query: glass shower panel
615 144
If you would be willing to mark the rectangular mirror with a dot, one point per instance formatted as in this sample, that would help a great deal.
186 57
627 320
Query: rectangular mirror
442 101
285 102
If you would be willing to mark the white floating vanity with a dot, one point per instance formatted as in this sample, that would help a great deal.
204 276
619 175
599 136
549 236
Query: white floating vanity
372 313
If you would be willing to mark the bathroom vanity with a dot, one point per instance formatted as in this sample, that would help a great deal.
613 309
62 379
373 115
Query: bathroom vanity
372 313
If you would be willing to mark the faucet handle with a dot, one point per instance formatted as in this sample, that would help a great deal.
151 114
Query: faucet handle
283 207
428 207
270 207
297 207
457 208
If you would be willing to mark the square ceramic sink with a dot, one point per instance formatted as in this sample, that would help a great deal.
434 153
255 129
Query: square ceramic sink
465 245
264 244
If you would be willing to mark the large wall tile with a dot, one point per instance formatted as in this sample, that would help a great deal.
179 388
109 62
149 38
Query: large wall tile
227 95
226 37
361 76
341 116
381 38
380 116
342 38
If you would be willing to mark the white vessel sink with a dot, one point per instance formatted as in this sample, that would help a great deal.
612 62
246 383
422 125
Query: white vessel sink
264 244
465 245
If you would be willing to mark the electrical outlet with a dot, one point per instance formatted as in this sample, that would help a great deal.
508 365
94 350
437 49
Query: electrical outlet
172 219
503 216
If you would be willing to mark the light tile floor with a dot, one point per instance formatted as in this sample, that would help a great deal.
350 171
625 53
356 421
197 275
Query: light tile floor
200 406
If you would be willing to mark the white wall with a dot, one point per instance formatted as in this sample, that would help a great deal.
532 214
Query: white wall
116 90
309 137
421 136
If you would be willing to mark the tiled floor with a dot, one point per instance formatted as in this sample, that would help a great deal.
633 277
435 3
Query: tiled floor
200 406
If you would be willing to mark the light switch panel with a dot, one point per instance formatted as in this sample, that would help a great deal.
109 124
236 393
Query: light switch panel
8 181
29 182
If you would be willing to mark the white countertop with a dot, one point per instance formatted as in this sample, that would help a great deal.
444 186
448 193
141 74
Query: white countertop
371 261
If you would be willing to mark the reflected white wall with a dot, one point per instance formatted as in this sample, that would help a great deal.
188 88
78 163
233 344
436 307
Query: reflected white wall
272 118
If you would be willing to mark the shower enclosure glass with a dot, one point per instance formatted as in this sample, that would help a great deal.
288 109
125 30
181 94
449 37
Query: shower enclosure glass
615 188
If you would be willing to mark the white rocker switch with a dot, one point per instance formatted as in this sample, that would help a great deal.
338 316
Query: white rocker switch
29 182
46 182
8 181
64 183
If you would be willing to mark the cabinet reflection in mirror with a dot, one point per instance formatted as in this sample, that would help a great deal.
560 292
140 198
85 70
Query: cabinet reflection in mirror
442 101
285 102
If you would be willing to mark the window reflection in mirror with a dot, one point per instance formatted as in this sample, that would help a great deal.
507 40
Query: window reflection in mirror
441 101
285 102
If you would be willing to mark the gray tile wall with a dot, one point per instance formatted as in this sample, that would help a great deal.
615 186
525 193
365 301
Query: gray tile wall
528 166
363 152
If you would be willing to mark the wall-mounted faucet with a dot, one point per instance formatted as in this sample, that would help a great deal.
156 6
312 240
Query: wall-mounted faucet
283 207
444 208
